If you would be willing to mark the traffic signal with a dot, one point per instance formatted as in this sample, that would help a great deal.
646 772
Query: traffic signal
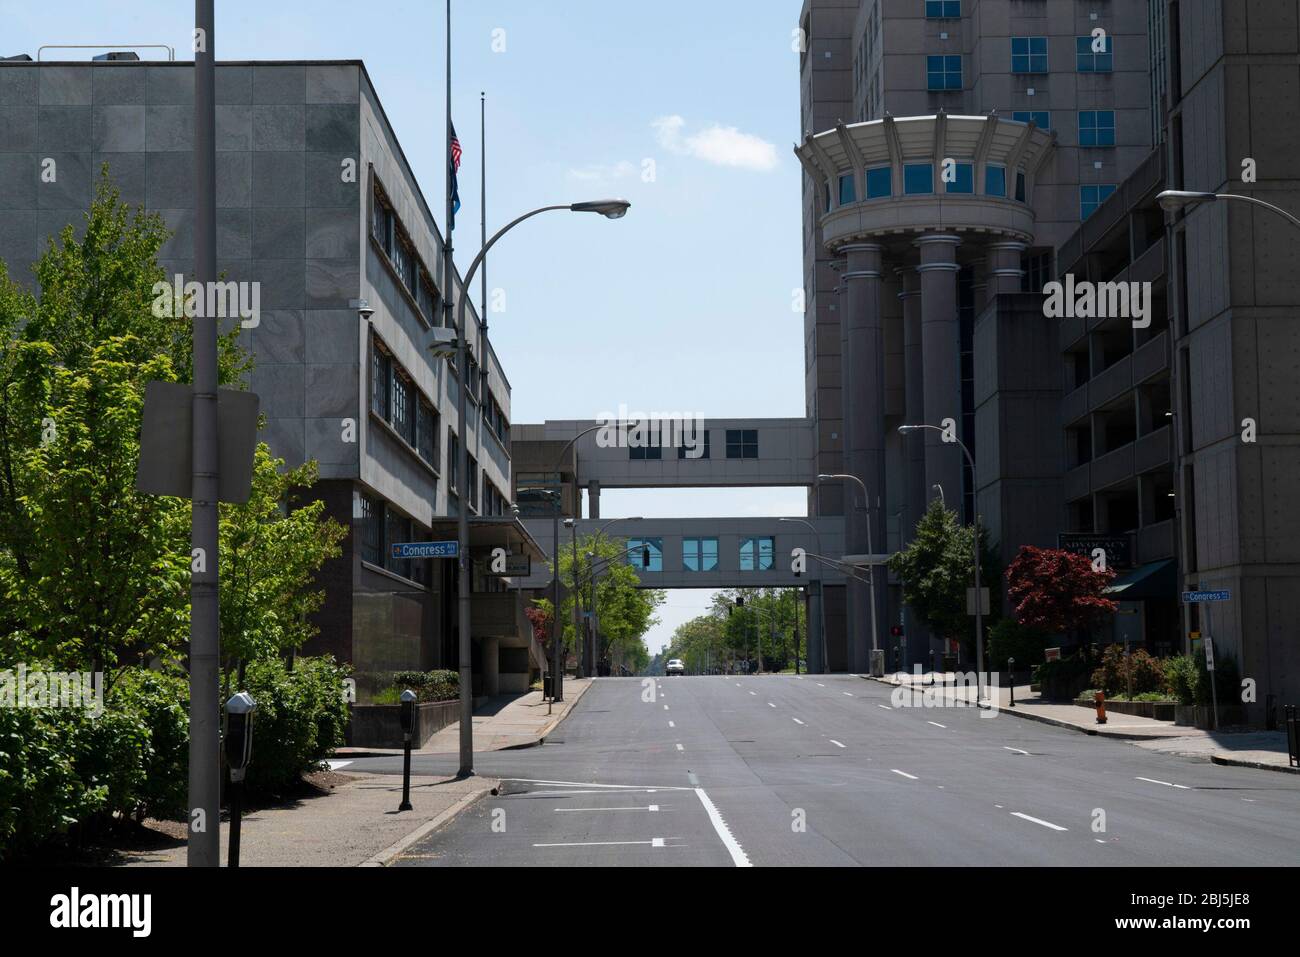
896 631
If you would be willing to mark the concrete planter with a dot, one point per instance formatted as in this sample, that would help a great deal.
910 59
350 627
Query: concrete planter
1199 716
1159 710
380 725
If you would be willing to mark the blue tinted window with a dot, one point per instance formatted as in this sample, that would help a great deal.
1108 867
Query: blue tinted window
918 178
1090 197
1029 54
1020 186
641 549
964 181
995 181
847 190
941 9
879 182
1041 118
943 72
1097 128
1090 62
757 554
699 554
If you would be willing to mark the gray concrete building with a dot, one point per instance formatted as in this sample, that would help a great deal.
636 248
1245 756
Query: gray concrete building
316 203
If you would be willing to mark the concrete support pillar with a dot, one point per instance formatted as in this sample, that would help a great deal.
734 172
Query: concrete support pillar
941 353
1004 272
980 283
593 499
914 489
491 662
864 438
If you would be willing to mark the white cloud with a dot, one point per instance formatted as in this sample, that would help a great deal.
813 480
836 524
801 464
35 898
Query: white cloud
720 145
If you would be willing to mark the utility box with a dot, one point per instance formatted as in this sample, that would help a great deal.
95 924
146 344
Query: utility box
877 662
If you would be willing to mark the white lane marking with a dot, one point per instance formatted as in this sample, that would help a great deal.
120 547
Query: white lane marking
800 677
820 685
836 743
737 684
999 806
570 810
1038 820
938 725
770 705
597 784
1181 787
796 721
754 693
665 707
887 707
672 724
655 842
336 765
1017 750
679 747
910 777
1099 840
846 694
738 855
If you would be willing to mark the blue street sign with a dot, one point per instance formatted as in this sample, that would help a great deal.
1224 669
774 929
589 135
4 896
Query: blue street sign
426 549
1224 595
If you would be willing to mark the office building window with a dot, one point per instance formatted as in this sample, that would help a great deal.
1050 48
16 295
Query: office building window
1020 186
757 554
381 380
742 443
964 179
1040 118
382 223
427 299
372 531
640 452
646 554
942 9
397 528
943 72
918 178
995 180
403 408
699 554
1096 127
880 182
1089 61
701 446
426 433
1029 54
1035 271
847 189
1090 197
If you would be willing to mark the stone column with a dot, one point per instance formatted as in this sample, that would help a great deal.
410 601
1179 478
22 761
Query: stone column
1004 270
593 499
913 448
864 437
941 353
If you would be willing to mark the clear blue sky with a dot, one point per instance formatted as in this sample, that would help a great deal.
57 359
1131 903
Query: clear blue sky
685 304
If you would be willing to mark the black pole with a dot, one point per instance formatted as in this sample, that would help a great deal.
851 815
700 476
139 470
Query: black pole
406 776
236 808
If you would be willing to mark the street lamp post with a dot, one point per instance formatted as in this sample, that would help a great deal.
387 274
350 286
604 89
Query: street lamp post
1172 200
821 603
611 209
871 568
975 547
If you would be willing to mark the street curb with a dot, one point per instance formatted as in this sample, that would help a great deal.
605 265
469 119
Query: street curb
1235 762
386 856
541 738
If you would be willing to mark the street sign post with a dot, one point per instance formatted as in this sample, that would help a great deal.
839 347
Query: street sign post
426 549
1214 694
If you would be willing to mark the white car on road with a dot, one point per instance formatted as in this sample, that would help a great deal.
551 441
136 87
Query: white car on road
675 667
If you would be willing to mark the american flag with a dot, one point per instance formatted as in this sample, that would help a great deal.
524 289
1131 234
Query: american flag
455 166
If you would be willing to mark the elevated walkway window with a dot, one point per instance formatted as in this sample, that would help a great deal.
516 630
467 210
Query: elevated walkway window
699 554
757 554
703 451
742 443
646 554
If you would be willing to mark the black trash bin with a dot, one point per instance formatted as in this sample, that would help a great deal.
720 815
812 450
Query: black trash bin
548 686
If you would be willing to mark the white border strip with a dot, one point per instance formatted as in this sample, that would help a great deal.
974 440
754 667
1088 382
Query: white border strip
738 855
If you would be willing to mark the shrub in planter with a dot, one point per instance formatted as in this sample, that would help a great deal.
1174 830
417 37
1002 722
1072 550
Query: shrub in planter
1119 673
1064 678
1009 639
301 717
438 685
161 702
1181 678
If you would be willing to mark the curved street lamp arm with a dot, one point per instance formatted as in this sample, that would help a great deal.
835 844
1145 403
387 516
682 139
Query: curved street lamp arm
468 278
1259 202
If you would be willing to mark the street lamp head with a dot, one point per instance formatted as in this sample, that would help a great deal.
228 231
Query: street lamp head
825 478
609 208
1172 200
904 429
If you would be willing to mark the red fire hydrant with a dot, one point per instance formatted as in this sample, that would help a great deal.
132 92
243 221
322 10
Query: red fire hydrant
1099 698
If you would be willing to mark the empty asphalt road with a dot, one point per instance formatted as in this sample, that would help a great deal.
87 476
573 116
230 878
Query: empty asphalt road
824 770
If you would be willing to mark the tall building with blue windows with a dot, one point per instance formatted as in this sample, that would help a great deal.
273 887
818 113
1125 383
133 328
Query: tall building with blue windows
950 147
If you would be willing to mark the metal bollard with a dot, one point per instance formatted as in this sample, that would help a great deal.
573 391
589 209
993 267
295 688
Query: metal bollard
1011 679
408 726
1099 698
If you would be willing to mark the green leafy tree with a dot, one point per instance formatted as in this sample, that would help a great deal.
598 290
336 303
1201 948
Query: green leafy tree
937 567
91 573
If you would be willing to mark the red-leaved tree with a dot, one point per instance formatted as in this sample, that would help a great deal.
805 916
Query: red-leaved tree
1056 590
540 619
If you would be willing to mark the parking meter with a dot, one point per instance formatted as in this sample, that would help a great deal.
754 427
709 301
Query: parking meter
239 751
407 718
1011 679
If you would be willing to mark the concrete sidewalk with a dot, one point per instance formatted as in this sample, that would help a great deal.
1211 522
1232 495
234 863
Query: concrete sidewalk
503 723
355 824
1254 749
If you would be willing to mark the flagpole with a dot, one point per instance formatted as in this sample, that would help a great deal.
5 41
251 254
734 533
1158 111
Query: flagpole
464 646
482 317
